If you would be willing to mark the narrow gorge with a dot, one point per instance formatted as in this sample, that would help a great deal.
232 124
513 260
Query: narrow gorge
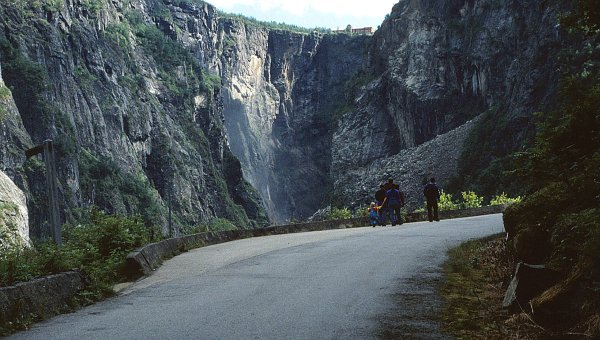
151 101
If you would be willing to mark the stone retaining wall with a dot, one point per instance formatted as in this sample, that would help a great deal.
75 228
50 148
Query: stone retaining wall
448 214
39 298
146 259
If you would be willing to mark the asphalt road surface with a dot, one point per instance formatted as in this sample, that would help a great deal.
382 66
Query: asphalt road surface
338 284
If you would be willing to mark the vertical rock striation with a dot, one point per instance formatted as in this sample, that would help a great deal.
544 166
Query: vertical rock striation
280 94
134 114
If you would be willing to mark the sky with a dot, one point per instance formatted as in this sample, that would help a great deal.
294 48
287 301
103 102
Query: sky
332 14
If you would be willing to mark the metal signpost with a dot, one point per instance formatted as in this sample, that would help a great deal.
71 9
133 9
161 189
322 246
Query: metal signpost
51 186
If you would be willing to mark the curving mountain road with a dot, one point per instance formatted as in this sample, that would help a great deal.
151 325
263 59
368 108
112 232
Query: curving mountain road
352 283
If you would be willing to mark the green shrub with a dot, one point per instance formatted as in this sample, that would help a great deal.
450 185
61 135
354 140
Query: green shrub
5 96
83 75
361 212
119 33
538 210
221 224
541 214
93 6
575 234
199 228
18 264
503 199
210 81
339 214
420 210
98 247
471 200
446 202
53 6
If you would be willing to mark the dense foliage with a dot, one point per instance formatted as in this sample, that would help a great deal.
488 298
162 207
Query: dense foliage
105 185
469 199
97 247
559 223
339 213
446 202
564 163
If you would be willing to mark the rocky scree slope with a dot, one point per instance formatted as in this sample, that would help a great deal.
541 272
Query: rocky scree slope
135 116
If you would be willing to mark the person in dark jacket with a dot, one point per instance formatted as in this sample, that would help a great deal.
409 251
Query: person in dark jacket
396 186
394 203
380 198
432 195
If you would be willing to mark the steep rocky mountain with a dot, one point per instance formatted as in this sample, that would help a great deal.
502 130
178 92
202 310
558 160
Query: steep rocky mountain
134 115
349 112
155 99
434 66
123 98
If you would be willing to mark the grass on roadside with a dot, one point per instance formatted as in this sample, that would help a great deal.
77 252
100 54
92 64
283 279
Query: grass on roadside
477 274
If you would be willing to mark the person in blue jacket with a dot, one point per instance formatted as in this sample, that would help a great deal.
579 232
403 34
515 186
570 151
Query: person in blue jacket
395 201
373 214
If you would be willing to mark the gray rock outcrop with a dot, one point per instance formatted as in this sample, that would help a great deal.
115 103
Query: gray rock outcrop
14 220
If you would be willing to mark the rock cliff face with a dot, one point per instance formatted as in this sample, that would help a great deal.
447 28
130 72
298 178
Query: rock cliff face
135 116
151 99
280 94
436 65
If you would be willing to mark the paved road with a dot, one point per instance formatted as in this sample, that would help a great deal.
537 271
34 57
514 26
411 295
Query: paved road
319 285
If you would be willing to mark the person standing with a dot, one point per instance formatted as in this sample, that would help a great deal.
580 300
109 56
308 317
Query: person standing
397 186
394 203
380 198
387 186
432 195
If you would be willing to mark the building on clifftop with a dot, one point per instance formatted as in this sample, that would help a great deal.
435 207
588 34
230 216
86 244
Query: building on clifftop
355 31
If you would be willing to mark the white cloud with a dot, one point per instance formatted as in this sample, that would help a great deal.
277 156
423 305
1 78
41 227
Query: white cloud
340 8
